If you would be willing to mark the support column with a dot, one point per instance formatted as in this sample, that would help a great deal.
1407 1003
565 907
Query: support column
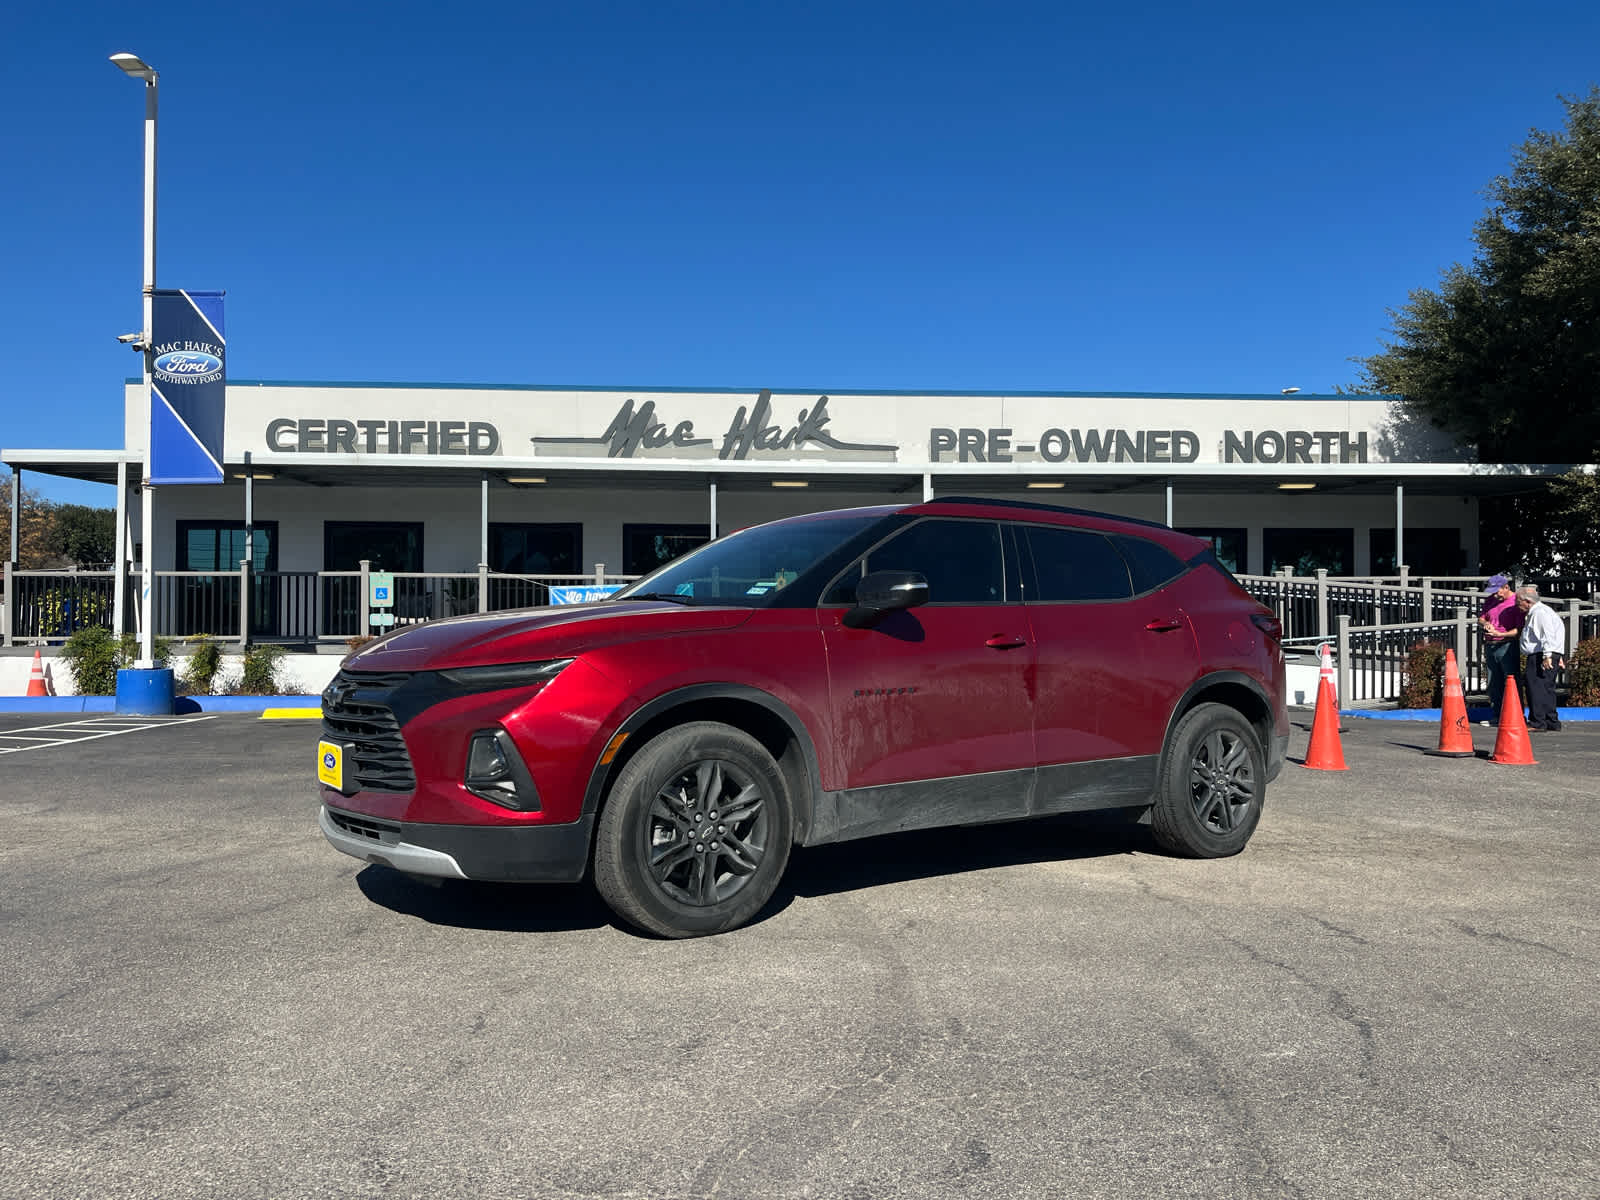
1399 524
483 543
10 562
247 564
249 511
16 512
927 486
712 524
119 558
1169 504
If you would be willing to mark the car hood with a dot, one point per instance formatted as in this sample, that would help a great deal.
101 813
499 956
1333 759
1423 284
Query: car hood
530 634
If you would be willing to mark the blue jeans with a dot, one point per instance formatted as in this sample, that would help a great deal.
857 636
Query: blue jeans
1504 660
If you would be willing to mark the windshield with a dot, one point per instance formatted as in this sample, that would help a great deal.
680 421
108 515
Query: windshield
749 567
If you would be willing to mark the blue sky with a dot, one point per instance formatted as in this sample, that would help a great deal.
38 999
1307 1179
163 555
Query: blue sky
1155 197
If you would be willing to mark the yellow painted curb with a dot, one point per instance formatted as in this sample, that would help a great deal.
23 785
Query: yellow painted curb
291 714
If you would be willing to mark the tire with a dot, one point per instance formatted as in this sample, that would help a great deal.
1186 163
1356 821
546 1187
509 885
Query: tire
1213 784
695 833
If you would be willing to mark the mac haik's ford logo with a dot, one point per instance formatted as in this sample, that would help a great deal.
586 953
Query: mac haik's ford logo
188 362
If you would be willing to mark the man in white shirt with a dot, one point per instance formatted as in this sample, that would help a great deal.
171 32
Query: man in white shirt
1544 639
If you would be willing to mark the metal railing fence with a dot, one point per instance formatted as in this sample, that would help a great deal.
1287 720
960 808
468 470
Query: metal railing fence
1372 624
290 607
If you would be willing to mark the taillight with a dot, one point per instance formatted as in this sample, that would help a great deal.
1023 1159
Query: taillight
1268 624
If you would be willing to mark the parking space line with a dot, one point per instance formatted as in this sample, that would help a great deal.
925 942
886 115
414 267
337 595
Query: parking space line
86 731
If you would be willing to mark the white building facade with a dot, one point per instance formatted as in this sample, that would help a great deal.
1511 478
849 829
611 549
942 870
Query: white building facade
561 480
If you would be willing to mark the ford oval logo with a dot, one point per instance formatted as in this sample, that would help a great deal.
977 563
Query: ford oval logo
188 362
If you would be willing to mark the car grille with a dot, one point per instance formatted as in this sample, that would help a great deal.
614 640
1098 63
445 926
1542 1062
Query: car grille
385 833
356 711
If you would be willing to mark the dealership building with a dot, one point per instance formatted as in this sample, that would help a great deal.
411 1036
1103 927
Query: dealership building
559 480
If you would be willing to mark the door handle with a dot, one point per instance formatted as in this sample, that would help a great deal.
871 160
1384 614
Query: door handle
1164 625
1005 641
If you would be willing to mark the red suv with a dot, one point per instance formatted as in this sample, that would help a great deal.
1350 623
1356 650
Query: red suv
815 679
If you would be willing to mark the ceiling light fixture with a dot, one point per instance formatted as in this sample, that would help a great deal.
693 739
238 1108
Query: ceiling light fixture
1296 487
254 475
791 483
524 478
1046 483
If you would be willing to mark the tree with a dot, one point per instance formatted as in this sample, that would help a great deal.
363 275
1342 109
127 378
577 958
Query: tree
1506 353
33 549
84 536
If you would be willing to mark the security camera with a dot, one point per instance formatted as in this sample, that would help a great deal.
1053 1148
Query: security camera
136 340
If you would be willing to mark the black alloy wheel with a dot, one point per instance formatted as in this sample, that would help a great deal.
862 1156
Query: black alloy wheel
695 833
707 832
1213 784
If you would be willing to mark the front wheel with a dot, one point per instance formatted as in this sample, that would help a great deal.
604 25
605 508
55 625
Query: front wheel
1212 786
695 832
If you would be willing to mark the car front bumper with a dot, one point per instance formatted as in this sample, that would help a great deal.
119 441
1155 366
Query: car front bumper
496 853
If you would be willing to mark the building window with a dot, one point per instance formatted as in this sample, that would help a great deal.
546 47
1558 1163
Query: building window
1227 544
1428 552
522 549
386 546
210 603
646 547
1303 551
219 545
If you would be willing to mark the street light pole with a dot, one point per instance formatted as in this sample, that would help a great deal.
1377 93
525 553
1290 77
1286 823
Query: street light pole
139 69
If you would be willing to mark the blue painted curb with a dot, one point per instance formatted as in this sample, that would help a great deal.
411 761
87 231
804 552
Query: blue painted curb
183 705
1473 714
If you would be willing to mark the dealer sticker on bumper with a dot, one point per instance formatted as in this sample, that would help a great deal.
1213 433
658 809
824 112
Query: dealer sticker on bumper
330 764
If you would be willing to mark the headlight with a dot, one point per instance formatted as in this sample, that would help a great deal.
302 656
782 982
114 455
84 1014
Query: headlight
505 675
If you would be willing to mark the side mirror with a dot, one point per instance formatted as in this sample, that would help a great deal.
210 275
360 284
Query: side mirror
880 592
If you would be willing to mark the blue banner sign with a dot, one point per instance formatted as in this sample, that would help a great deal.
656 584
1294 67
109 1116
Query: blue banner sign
582 595
188 380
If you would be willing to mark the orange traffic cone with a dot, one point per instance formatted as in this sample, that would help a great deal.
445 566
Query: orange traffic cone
1455 734
1511 747
1325 753
36 683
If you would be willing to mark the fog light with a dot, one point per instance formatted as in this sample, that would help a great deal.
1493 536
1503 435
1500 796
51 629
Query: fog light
496 772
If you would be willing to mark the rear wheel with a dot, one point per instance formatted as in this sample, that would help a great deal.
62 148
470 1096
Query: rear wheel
1212 786
695 832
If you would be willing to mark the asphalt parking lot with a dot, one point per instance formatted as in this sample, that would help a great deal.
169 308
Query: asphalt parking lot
1392 992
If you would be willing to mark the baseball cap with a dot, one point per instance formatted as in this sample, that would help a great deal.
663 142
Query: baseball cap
1494 583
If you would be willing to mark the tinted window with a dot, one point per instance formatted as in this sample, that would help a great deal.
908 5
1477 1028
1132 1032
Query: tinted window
1149 564
961 560
753 566
1075 564
1305 550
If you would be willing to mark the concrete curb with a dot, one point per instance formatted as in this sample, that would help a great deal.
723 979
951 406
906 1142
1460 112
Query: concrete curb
182 706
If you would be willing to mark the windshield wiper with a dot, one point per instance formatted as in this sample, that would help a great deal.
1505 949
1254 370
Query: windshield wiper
675 597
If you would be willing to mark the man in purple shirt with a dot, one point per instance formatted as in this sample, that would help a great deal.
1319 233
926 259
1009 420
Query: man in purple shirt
1501 625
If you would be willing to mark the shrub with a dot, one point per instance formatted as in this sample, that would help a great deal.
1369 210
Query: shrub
1423 682
200 672
1583 674
95 658
261 665
360 640
93 655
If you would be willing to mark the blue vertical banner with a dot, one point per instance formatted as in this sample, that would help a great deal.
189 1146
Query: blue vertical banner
188 382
